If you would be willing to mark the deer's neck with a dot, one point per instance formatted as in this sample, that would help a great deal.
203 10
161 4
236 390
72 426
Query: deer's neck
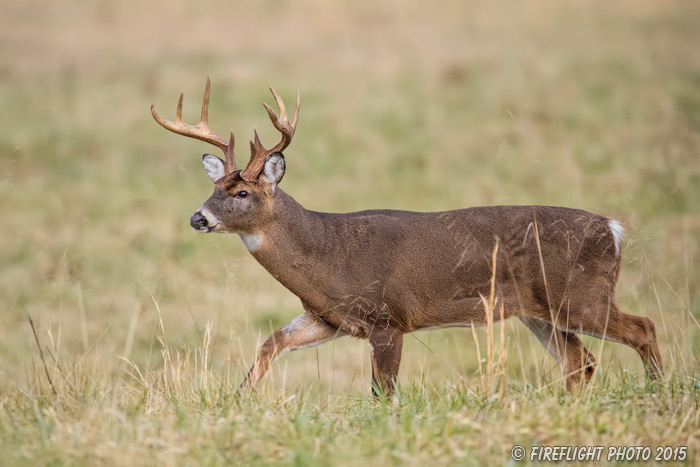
294 247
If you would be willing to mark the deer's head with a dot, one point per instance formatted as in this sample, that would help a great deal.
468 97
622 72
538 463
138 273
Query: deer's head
243 199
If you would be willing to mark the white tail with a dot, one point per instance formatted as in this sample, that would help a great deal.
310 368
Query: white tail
617 232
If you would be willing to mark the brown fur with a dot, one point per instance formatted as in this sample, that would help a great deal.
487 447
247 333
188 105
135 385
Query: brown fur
380 274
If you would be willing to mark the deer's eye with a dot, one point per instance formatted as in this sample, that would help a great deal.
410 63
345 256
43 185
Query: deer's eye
241 194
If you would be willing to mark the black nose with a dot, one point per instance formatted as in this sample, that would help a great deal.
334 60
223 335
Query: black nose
197 221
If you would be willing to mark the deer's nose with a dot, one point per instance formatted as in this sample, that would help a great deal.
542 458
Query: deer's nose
197 221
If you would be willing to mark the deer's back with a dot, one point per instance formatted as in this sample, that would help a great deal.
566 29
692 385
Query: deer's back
418 265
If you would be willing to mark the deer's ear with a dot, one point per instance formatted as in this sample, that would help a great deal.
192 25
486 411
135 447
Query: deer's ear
214 166
273 170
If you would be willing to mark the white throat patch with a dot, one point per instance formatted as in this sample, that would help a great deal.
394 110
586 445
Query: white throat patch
251 241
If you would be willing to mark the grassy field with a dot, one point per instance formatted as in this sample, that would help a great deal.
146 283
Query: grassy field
146 328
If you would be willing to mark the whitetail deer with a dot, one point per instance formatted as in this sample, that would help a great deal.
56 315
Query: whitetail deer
380 274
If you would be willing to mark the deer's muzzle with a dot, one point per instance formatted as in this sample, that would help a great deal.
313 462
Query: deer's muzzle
204 221
198 221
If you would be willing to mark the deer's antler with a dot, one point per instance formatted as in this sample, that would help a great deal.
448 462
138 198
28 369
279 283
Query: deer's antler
201 131
258 154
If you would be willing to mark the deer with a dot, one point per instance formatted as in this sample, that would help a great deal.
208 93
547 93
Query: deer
382 274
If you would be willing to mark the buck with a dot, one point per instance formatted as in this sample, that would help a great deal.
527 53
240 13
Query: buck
381 274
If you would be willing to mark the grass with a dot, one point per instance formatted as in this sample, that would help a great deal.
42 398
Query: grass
185 412
146 329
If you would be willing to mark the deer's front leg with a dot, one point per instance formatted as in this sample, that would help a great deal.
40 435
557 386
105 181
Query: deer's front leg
302 332
386 345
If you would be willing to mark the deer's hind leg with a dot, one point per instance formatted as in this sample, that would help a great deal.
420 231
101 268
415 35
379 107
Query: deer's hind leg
606 321
576 361
638 332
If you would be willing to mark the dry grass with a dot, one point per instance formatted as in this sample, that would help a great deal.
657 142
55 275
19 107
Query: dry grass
146 328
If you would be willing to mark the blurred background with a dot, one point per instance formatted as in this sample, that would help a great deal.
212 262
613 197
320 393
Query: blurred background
405 105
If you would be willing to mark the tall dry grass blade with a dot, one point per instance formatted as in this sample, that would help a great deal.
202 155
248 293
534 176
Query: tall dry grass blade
131 333
206 343
546 287
502 355
41 354
83 318
140 378
478 357
165 350
489 305
447 365
663 323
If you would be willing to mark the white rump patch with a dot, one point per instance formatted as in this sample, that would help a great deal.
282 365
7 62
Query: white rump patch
251 241
617 232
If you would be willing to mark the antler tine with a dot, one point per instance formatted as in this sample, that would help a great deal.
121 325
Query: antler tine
280 105
200 131
258 154
205 105
230 162
282 123
296 112
178 115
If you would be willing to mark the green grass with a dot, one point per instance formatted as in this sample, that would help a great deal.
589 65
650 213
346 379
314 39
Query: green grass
422 107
